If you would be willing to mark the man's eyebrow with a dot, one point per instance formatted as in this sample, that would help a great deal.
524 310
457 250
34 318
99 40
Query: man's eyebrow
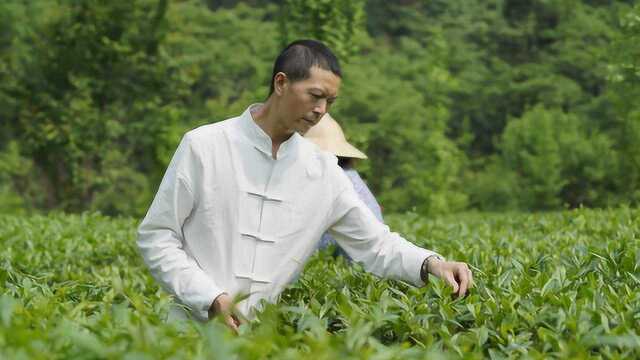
324 93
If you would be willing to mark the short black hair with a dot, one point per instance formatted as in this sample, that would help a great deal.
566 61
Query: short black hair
297 59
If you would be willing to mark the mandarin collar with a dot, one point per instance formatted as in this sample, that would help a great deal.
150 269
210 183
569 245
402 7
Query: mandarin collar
260 140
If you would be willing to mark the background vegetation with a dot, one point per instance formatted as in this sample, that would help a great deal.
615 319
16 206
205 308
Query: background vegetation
490 105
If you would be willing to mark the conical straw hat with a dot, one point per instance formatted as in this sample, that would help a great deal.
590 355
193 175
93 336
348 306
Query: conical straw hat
328 135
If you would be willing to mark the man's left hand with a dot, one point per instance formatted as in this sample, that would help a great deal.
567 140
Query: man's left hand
456 274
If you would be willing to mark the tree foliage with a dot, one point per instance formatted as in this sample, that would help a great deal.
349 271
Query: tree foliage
338 23
460 104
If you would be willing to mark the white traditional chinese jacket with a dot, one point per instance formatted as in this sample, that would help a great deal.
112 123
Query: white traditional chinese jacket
229 218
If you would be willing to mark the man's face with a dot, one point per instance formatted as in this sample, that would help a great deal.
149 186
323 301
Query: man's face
306 101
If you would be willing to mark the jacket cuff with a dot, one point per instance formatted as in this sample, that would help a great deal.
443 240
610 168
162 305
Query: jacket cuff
201 303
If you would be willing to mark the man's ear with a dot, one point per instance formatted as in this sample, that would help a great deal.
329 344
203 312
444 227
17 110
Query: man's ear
280 83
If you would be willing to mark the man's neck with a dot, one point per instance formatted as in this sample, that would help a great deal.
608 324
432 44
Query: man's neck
266 117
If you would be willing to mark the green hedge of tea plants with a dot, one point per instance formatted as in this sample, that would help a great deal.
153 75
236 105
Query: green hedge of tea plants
552 285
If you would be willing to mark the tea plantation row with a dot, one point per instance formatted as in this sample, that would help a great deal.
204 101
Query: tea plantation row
554 285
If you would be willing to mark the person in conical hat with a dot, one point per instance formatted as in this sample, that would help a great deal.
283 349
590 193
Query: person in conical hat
328 135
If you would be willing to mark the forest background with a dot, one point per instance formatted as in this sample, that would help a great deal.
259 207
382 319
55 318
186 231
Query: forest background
494 105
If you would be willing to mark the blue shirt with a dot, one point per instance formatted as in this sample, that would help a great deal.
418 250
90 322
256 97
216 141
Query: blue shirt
367 198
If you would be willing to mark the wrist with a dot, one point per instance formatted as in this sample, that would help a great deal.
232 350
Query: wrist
214 308
427 266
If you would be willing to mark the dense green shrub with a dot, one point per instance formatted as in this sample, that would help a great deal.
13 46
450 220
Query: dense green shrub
530 147
14 178
557 160
494 187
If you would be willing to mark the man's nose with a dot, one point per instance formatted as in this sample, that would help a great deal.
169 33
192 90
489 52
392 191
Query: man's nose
321 107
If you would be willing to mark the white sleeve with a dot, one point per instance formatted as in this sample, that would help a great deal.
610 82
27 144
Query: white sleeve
160 237
371 243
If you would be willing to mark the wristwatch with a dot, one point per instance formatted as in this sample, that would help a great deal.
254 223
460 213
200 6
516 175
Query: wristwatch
424 270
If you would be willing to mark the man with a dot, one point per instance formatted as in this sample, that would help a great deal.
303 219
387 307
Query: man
244 202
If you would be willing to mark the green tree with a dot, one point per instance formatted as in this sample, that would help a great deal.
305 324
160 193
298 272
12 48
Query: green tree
557 160
394 103
504 103
624 79
82 87
219 55
338 23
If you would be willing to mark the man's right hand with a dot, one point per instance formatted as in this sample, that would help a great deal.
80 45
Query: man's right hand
456 274
223 306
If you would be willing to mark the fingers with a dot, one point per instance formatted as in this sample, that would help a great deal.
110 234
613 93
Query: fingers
231 322
238 319
459 277
222 308
450 279
465 281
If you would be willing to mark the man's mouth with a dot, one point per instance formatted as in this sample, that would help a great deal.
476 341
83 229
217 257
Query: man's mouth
311 122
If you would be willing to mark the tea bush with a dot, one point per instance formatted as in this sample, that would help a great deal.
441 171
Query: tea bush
548 285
